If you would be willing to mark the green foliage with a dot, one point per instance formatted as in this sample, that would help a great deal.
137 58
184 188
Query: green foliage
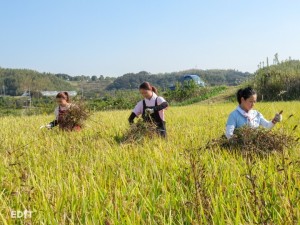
17 106
81 78
16 81
115 100
185 94
184 91
165 80
279 82
88 86
91 89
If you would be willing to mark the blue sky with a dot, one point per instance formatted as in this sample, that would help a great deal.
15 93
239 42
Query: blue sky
94 37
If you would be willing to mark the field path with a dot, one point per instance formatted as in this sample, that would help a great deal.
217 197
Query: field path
221 98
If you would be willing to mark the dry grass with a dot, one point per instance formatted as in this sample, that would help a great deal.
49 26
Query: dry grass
140 130
76 115
259 141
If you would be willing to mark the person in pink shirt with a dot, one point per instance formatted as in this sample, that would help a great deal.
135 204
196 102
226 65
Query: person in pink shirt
151 108
64 104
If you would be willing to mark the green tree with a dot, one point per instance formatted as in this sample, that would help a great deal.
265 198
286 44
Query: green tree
10 86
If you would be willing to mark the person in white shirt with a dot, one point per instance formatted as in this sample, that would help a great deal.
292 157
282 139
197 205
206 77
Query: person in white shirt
151 108
244 114
63 101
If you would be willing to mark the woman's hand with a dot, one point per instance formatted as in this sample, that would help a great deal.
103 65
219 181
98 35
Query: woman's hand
277 118
48 126
149 111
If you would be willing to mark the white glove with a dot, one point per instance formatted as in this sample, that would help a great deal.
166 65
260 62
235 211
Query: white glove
149 111
48 126
277 118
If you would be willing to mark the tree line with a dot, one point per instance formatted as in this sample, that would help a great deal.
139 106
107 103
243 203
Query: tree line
16 81
165 80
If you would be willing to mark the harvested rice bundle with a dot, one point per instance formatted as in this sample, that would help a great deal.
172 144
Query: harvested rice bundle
68 116
139 130
74 117
260 141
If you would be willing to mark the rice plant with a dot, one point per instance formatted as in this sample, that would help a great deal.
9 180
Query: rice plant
88 177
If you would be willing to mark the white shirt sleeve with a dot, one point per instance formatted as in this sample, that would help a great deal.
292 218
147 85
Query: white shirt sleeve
138 109
160 100
56 112
265 123
229 131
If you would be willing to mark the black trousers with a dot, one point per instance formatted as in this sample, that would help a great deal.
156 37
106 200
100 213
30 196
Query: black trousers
161 128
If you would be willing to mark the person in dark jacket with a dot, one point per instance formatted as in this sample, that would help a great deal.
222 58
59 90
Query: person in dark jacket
151 108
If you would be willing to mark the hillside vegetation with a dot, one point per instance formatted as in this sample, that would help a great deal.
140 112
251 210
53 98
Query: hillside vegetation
279 82
16 81
165 80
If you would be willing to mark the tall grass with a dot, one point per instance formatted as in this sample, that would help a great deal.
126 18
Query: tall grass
89 178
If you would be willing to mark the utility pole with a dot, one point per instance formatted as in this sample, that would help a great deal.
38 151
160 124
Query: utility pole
82 88
276 59
29 98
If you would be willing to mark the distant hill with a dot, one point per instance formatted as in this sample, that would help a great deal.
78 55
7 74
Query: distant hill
280 81
89 86
15 81
164 80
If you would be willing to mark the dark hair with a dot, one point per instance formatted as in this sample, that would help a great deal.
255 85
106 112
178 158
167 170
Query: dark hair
64 95
245 93
147 86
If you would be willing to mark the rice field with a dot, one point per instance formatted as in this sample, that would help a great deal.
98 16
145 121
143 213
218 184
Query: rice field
88 177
